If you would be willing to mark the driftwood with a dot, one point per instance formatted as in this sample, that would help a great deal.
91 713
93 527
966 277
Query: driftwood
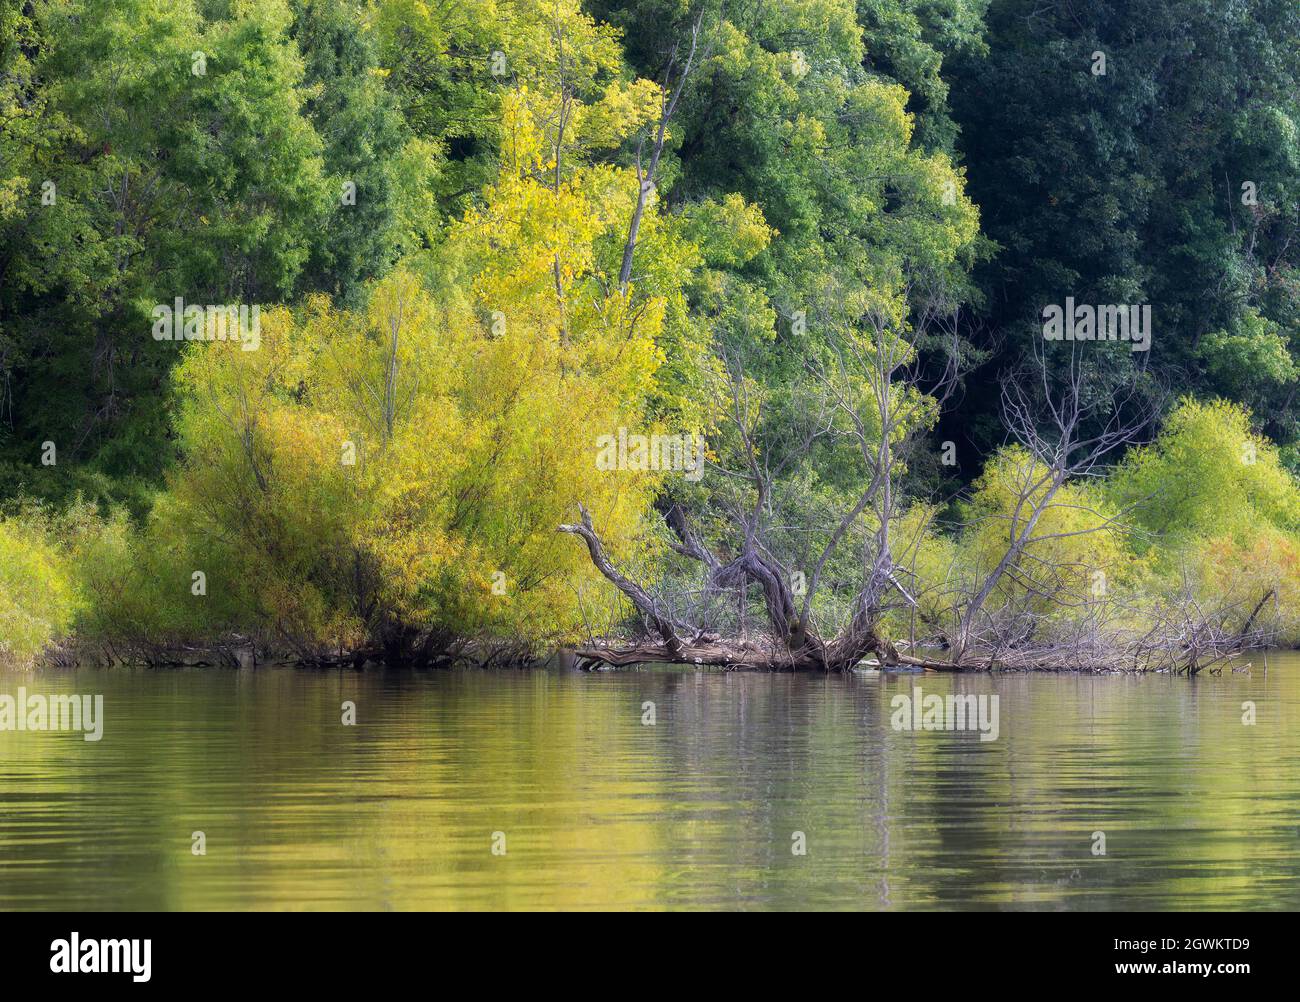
749 656
1179 637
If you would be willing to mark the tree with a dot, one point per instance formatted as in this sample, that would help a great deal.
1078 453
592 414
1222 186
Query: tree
179 165
1066 435
1109 172
386 483
382 178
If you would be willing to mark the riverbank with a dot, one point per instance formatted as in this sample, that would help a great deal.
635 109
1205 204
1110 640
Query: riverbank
241 654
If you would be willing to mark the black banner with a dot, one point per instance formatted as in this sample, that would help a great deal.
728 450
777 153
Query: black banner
337 951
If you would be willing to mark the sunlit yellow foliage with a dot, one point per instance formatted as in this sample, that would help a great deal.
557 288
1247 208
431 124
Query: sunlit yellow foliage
1238 573
1218 508
546 256
38 596
1208 474
1077 551
927 562
398 474
570 63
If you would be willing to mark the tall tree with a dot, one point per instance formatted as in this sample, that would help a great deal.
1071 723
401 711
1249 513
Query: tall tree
179 164
1141 152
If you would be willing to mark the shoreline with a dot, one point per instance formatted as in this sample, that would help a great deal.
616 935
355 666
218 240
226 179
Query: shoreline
580 660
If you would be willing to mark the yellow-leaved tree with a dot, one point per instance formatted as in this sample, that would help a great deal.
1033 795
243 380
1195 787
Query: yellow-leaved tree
390 480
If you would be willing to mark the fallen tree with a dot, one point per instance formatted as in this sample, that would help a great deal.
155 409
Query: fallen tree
1066 434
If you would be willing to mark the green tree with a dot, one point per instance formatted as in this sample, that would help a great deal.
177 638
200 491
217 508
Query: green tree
1137 152
181 165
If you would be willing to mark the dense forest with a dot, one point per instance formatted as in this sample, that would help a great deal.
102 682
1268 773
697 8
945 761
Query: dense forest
943 332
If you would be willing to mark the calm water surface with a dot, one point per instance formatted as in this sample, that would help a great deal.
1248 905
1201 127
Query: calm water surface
599 810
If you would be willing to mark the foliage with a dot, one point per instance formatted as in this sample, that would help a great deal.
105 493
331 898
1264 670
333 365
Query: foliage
38 597
1208 475
395 475
1077 551
430 204
1145 183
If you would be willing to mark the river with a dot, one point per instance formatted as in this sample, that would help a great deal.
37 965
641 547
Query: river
551 789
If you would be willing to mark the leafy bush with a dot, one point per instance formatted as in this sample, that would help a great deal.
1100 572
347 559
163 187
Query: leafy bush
38 595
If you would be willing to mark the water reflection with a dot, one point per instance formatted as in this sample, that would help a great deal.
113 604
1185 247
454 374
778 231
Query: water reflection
700 810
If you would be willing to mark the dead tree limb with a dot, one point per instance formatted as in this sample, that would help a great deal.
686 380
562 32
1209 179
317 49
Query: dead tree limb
638 596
